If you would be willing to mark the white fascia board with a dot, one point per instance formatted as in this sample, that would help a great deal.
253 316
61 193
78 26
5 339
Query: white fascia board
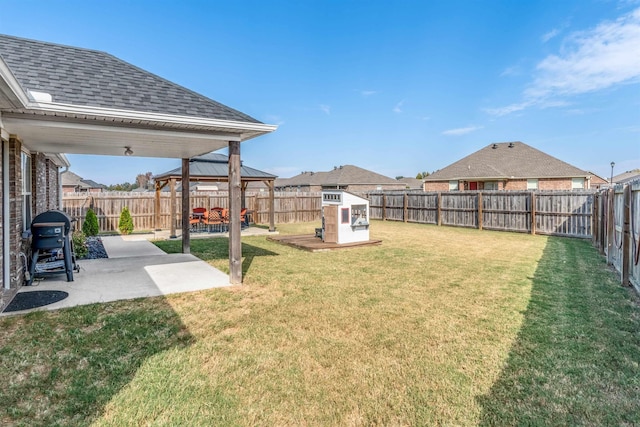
153 117
59 159
4 134
10 87
113 129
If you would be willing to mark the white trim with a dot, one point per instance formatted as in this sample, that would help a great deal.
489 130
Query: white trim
111 113
15 92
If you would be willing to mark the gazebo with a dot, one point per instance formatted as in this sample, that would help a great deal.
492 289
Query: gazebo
211 167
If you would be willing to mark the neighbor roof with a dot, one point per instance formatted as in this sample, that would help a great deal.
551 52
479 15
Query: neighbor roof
71 179
507 160
340 175
627 176
77 76
214 166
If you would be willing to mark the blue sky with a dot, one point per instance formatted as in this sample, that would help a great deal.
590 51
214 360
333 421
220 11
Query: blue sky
396 87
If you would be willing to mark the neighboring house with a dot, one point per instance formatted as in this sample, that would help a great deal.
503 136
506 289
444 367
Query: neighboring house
57 99
413 183
627 176
597 182
510 166
72 183
348 177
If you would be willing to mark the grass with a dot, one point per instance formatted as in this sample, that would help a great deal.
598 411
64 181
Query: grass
436 326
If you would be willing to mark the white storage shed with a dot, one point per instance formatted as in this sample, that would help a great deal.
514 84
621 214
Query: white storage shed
345 217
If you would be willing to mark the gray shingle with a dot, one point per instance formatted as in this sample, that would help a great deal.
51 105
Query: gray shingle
507 160
214 166
86 77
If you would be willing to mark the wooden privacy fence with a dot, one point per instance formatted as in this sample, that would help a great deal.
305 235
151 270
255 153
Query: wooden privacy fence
289 207
617 230
558 213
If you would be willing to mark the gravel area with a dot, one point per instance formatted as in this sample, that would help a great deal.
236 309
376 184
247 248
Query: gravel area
96 248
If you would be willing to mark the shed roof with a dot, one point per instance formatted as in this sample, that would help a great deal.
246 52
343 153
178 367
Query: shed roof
508 160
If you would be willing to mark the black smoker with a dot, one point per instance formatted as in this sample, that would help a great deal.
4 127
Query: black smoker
51 246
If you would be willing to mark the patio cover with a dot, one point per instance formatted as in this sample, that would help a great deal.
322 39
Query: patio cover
63 99
211 167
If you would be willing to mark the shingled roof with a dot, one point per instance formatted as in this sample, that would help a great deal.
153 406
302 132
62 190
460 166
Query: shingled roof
214 166
78 76
507 160
340 175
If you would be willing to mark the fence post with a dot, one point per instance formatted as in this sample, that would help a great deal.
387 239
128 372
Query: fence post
626 238
405 212
439 203
610 224
533 213
384 207
479 211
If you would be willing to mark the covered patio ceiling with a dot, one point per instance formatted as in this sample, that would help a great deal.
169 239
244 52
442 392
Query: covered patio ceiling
110 134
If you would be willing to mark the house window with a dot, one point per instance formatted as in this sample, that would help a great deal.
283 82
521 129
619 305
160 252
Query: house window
532 184
27 211
491 185
577 183
453 185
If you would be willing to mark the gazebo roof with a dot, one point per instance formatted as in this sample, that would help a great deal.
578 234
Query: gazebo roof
214 167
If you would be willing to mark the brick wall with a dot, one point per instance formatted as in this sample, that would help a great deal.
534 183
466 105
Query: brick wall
15 211
512 184
39 179
436 186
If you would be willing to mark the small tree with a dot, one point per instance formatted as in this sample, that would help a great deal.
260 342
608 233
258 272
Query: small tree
125 225
90 225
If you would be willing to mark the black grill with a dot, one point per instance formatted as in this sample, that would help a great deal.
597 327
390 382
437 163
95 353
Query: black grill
51 246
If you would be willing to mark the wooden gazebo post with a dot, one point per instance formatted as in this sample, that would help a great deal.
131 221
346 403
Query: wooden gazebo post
172 214
186 186
272 215
235 187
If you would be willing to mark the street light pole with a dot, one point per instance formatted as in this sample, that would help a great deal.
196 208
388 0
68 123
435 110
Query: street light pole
612 165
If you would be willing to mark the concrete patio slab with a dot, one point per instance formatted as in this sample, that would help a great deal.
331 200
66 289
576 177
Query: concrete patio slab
135 268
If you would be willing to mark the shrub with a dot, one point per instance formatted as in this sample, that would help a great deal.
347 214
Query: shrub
125 225
80 248
90 225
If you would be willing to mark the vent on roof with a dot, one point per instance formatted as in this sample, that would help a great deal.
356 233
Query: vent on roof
494 146
511 145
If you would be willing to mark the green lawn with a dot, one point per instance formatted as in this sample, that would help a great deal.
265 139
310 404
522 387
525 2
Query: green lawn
437 325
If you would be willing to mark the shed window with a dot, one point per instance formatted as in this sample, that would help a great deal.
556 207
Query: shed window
577 183
532 184
453 185
345 215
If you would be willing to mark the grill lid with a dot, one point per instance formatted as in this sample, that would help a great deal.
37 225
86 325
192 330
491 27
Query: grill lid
53 216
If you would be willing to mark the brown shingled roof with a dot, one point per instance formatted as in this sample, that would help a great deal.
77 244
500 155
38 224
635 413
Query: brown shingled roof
341 175
507 160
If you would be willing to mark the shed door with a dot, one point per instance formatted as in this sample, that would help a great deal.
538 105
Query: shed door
331 224
473 185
